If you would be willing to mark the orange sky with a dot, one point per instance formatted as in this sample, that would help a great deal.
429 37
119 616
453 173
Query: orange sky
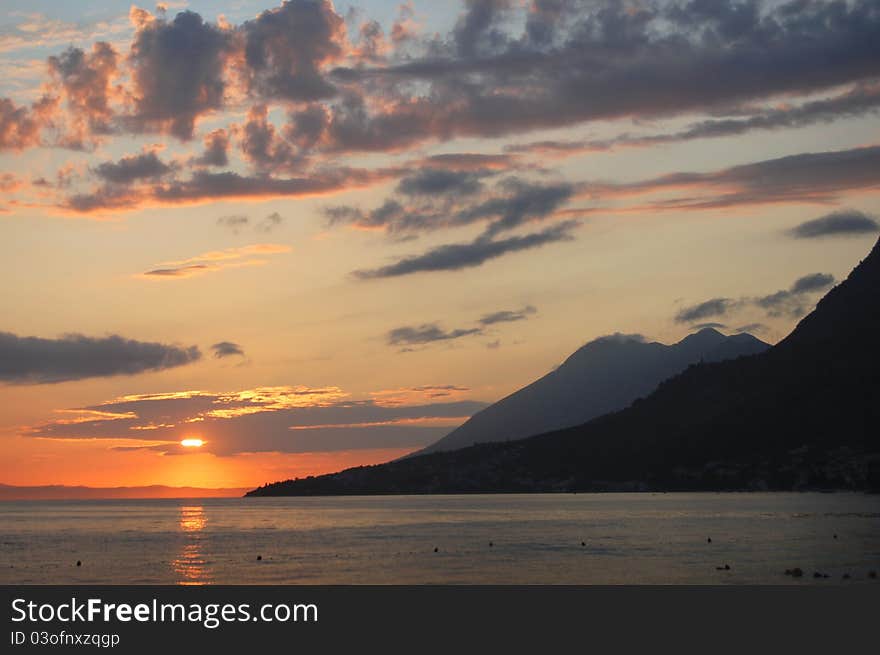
334 257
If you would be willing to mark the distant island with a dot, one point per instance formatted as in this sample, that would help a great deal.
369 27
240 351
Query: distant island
803 414
62 492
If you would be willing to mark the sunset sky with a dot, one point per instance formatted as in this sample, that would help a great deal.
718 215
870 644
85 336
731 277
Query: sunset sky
318 235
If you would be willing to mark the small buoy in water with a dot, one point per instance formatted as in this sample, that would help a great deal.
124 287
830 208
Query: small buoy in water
259 558
436 550
79 563
709 540
835 536
583 543
490 544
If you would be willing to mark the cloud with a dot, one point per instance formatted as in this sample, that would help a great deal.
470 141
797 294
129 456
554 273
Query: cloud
860 99
216 147
434 199
35 360
806 177
264 419
507 316
205 187
457 256
270 222
705 326
227 349
87 83
584 62
177 71
436 181
285 49
840 223
427 333
417 395
20 127
706 309
751 327
132 168
262 147
217 260
791 302
235 222
505 68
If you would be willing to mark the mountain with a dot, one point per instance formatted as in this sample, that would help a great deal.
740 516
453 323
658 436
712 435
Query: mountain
603 376
803 414
62 492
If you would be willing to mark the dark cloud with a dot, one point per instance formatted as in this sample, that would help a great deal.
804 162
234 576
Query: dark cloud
812 282
508 316
270 222
234 222
227 349
34 360
133 168
285 49
179 271
177 70
262 146
578 61
479 29
435 199
863 98
840 223
751 327
806 177
706 309
427 333
792 302
440 181
237 222
216 147
457 256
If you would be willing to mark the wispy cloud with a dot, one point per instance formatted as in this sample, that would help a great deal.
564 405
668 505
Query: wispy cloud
216 260
293 419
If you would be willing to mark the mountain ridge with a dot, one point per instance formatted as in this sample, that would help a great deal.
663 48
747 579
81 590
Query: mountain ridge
802 415
604 375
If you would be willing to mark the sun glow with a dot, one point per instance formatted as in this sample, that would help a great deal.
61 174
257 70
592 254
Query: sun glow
192 443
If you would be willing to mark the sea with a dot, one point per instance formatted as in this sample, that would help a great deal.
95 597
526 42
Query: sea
614 538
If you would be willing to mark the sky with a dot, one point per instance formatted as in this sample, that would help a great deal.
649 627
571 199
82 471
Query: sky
310 236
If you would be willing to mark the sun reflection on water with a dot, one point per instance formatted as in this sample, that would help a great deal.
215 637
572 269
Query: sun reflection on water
190 565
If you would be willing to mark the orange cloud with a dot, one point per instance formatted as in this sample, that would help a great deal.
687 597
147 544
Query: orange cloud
214 261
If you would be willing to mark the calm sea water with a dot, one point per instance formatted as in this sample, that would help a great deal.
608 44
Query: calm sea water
629 538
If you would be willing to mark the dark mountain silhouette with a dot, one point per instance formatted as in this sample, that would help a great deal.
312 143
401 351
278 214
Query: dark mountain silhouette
603 376
803 414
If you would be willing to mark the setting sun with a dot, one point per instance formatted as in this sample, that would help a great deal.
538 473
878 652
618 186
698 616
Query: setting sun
192 443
